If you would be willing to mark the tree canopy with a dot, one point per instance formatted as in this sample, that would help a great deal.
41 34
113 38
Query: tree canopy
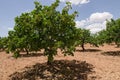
44 28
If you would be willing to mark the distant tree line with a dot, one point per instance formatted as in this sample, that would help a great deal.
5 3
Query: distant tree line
111 34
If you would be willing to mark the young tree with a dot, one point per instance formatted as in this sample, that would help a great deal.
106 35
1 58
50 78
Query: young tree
45 28
83 37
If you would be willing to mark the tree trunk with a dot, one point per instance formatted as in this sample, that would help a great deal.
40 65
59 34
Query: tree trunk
49 62
27 51
83 48
50 57
117 44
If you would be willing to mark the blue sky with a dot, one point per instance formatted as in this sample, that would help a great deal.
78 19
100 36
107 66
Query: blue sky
92 13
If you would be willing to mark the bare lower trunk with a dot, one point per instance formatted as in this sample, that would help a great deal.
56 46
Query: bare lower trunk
50 56
49 62
83 48
50 59
27 51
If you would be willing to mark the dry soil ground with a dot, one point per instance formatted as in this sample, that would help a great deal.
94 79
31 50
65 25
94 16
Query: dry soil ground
106 67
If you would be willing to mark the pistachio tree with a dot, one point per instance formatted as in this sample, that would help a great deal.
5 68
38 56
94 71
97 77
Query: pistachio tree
46 28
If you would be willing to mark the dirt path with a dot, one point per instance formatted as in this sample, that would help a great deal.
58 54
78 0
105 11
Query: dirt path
106 67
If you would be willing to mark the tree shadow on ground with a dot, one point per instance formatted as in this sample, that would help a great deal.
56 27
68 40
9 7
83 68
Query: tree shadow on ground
32 55
112 53
58 70
89 50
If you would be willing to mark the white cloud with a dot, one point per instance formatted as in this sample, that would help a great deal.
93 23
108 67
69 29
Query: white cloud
85 1
76 2
96 27
96 22
80 23
100 17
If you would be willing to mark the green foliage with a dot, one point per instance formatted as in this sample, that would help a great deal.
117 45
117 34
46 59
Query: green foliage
112 32
3 43
83 37
94 40
102 37
1 46
44 28
16 54
116 32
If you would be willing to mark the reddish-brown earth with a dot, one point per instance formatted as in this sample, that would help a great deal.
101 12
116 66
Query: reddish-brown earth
106 67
